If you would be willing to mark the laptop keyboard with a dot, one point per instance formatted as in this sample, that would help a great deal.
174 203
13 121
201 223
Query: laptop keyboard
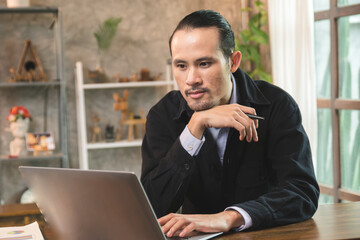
177 238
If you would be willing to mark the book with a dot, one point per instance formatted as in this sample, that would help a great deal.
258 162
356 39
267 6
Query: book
27 232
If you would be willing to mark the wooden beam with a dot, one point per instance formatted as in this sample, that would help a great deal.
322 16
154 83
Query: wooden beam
326 189
322 15
347 104
323 103
337 12
349 195
344 194
346 10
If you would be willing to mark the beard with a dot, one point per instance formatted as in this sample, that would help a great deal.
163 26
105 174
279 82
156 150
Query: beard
200 105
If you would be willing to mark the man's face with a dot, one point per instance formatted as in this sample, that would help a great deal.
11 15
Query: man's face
201 71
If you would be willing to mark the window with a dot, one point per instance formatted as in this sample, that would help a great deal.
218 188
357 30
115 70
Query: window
337 51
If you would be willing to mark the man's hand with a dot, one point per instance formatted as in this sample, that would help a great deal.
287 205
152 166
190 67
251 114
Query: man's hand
230 115
185 224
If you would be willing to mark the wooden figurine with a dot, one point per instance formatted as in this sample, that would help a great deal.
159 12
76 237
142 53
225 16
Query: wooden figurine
133 78
97 76
146 76
124 79
116 78
121 104
132 122
95 130
13 76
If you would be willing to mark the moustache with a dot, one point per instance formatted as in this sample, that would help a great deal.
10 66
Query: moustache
196 89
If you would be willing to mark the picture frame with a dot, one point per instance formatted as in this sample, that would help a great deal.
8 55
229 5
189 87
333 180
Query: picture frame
40 142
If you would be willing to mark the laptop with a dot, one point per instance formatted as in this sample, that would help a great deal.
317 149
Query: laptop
94 204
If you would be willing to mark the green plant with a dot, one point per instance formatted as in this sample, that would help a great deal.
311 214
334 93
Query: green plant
250 40
106 32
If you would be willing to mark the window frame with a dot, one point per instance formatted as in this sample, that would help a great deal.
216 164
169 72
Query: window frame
335 103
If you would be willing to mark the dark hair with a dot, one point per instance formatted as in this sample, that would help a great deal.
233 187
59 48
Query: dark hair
205 19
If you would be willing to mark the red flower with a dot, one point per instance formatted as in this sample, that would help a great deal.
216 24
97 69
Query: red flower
18 112
14 110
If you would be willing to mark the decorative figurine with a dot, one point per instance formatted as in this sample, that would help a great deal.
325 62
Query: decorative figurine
133 78
29 64
109 133
146 76
19 119
121 104
97 76
96 130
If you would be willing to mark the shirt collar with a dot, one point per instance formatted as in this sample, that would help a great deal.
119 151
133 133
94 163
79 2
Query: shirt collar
234 95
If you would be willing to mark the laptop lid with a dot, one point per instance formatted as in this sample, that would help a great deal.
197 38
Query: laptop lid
90 204
94 204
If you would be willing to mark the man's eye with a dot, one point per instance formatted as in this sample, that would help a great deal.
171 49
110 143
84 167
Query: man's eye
182 66
205 64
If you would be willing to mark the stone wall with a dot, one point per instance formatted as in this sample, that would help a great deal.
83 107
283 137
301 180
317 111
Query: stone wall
141 41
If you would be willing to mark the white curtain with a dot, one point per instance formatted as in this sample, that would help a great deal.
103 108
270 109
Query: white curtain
291 24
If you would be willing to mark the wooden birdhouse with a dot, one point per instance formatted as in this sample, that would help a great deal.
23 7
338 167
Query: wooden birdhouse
29 68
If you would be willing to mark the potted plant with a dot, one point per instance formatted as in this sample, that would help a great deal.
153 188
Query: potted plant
104 36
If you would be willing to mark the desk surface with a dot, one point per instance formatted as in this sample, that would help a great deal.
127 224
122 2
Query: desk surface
333 221
12 210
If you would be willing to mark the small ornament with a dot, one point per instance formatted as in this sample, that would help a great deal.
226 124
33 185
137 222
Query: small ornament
109 133
19 119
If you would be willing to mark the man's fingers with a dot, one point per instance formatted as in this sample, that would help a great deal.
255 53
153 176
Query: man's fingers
250 127
256 123
240 128
178 226
172 224
169 224
188 229
165 218
189 225
254 136
246 128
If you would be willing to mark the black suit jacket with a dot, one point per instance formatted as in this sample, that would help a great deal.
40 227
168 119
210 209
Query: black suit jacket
272 179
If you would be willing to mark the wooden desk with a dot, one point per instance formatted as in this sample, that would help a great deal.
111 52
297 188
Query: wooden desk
23 214
19 214
333 221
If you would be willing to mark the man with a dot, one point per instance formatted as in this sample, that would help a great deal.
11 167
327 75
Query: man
201 151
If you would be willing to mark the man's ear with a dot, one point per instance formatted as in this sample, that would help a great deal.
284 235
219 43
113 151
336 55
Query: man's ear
235 59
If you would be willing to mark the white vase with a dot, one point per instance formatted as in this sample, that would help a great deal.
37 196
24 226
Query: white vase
18 129
17 3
